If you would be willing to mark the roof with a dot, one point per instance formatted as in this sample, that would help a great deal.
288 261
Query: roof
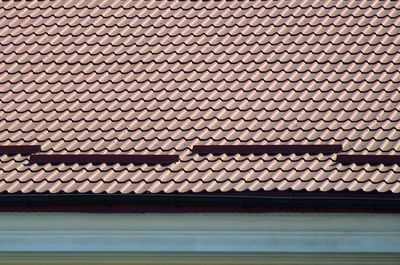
157 78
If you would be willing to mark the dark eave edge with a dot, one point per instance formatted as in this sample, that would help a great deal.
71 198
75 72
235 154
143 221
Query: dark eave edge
203 202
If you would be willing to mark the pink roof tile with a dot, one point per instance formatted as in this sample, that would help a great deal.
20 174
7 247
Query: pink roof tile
151 77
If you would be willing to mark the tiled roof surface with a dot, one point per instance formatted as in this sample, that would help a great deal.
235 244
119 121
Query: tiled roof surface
151 77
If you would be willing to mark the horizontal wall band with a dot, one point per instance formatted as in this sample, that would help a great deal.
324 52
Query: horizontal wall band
368 159
200 258
284 232
19 149
104 158
266 149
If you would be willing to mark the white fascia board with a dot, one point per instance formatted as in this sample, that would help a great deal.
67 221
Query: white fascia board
265 233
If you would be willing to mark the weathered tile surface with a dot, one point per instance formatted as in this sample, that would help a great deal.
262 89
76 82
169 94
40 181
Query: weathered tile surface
159 77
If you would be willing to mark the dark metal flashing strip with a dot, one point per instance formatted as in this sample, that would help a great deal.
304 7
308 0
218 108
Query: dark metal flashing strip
267 149
19 149
368 159
179 203
104 158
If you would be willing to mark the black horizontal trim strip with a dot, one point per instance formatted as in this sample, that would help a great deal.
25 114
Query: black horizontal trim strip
368 159
19 149
262 149
104 158
203 202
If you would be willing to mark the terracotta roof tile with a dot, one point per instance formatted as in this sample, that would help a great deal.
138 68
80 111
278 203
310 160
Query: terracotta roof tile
151 77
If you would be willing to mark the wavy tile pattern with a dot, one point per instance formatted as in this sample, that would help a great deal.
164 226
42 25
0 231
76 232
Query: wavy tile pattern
140 77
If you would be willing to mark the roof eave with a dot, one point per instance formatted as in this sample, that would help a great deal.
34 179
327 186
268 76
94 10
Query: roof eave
296 201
